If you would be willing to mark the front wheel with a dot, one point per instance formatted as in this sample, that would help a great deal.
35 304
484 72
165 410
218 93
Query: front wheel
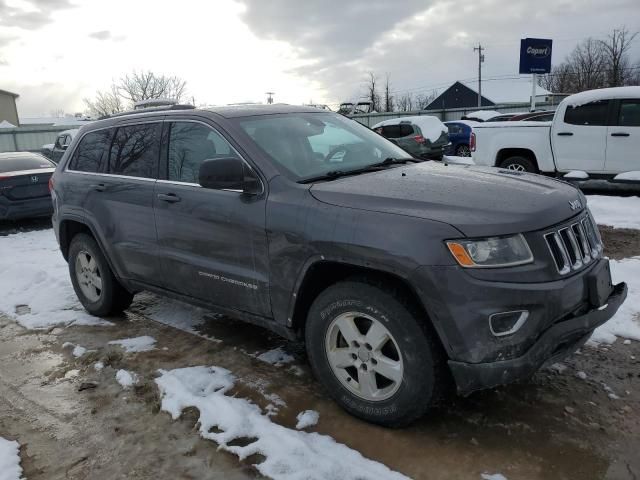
373 354
93 281
520 164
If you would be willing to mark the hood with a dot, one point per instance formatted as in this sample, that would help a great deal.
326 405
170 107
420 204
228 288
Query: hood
478 201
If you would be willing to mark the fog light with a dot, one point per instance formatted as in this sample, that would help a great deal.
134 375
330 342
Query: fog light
506 323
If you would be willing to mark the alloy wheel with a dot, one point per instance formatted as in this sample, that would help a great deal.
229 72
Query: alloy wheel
364 356
88 276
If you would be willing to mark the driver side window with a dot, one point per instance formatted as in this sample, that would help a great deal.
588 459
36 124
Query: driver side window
190 144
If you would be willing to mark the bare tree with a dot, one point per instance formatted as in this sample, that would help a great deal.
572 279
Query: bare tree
388 98
147 85
405 102
616 49
424 99
105 103
372 92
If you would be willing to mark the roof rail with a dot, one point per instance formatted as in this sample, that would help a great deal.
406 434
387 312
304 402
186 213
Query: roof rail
177 106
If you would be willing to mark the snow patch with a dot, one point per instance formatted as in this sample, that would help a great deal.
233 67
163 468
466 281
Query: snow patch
577 174
35 285
277 356
589 96
144 343
628 176
98 366
10 468
626 322
617 212
78 351
581 375
289 454
493 476
482 115
126 379
308 418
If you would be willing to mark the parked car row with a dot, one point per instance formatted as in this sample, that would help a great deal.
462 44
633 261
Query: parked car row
54 151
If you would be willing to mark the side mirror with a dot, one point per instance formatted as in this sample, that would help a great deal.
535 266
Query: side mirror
228 174
64 147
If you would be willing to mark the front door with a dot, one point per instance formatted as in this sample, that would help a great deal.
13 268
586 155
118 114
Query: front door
579 138
623 139
213 243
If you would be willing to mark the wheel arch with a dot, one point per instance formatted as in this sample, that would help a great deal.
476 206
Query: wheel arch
506 153
322 273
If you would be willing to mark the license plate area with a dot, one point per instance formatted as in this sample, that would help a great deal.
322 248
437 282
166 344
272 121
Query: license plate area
599 283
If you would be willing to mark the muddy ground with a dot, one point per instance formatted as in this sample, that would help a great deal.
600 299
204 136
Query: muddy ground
555 426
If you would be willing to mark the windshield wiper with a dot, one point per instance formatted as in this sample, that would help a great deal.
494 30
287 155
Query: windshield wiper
375 167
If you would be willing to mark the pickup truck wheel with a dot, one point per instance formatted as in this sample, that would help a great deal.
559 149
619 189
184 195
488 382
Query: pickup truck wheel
93 281
520 164
372 354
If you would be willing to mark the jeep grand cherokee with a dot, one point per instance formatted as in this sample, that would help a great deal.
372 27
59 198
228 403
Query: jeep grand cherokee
399 274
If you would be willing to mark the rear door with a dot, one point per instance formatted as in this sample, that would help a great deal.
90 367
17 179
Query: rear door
213 243
403 135
579 137
623 139
119 199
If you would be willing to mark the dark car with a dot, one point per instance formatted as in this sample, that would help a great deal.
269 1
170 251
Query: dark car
54 151
24 190
400 275
423 136
459 138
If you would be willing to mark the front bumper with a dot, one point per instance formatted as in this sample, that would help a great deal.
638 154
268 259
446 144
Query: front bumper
559 340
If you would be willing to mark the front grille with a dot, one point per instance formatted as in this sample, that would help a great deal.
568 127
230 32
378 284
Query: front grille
575 245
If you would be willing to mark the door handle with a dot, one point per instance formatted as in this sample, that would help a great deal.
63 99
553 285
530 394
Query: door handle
619 134
100 187
168 197
565 134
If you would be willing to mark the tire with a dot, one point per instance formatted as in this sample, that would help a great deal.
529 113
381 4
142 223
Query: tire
419 355
111 298
518 163
463 150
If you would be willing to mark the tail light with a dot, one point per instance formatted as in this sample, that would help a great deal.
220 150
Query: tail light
50 184
419 139
472 142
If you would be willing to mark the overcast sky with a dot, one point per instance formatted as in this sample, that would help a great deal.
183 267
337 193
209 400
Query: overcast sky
54 53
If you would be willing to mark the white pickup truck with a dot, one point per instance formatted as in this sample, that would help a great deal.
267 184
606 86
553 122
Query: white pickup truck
594 134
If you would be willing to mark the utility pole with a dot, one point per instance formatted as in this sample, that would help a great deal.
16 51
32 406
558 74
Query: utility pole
270 97
479 49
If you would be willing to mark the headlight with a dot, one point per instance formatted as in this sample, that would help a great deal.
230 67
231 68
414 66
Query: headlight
491 252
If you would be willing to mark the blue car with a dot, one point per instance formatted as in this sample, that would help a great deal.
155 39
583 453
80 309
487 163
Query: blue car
459 138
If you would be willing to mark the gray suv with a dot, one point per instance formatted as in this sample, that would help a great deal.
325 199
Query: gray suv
401 276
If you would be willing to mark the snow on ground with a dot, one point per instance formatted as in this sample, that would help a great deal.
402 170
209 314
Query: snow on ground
626 322
10 468
618 212
277 356
493 476
136 344
289 454
576 175
126 379
35 285
98 366
633 176
308 418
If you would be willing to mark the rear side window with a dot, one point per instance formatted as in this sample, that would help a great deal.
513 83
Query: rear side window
190 144
17 164
92 152
135 151
397 131
592 114
629 115
454 129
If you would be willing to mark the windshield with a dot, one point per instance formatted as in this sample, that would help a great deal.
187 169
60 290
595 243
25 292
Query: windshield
308 145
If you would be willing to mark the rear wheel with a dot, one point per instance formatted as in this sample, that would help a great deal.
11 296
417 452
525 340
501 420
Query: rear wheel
370 350
93 281
463 151
520 164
